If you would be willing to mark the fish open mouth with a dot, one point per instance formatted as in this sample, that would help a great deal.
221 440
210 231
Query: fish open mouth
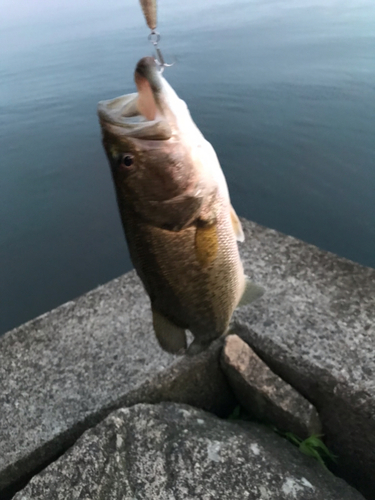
140 114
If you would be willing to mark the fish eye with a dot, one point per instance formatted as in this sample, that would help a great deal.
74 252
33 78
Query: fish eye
126 160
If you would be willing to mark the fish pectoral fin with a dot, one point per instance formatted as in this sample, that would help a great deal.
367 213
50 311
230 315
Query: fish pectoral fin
171 338
237 226
251 293
206 242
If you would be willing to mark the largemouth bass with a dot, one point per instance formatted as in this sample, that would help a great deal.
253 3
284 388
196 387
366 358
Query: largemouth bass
178 220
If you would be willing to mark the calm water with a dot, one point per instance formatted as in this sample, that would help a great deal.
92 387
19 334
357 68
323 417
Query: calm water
284 90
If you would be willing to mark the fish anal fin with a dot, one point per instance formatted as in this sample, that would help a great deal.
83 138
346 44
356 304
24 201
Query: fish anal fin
237 226
251 293
171 338
206 243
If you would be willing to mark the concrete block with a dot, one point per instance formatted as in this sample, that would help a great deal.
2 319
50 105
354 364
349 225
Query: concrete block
315 327
265 395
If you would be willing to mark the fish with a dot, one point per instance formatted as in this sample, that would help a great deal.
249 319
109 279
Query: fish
180 226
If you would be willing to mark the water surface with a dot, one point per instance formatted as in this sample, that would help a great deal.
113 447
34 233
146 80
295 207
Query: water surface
284 90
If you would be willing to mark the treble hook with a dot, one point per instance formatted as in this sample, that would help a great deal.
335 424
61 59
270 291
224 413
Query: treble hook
154 38
149 8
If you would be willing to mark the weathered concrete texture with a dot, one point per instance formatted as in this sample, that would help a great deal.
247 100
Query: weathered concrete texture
265 395
65 371
315 327
175 452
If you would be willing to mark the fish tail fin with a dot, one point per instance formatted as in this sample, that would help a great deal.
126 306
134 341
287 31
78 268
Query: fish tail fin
171 338
251 293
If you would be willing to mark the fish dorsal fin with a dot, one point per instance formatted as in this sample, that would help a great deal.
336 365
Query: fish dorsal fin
171 338
237 226
252 292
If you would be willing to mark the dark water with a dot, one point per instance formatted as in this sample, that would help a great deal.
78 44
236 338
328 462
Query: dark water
284 90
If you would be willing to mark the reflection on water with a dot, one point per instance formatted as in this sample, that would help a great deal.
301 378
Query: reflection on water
284 90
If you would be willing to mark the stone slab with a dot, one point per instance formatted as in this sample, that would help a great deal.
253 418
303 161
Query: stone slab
263 394
66 370
315 327
175 452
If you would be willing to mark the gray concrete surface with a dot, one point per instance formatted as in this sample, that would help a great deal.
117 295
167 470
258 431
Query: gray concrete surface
175 452
315 327
65 371
264 395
